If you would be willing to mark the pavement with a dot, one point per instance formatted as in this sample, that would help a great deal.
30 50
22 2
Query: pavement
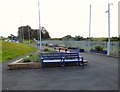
101 73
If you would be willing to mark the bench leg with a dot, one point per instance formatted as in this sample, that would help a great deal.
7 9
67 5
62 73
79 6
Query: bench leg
82 63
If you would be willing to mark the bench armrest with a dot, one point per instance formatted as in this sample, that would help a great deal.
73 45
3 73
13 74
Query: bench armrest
42 59
81 57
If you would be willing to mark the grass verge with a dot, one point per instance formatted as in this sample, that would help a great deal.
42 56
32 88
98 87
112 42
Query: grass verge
11 50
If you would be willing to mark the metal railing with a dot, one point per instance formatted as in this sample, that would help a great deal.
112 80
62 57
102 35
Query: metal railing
114 46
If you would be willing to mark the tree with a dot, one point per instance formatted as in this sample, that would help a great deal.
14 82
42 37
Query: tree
114 38
12 37
68 37
78 38
26 31
45 34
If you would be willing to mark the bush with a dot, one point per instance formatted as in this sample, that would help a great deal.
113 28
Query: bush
30 55
35 58
26 59
98 48
32 58
47 50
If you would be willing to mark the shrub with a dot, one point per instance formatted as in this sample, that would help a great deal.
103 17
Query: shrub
30 55
32 58
26 59
47 50
98 48
35 58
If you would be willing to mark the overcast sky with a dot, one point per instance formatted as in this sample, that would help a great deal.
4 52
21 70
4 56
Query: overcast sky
59 17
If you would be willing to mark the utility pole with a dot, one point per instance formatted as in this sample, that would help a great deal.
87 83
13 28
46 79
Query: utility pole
20 35
108 43
23 34
89 24
39 44
29 34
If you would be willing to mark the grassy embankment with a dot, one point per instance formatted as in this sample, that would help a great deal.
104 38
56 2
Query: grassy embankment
11 50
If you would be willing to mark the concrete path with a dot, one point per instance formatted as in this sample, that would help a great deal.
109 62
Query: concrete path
100 74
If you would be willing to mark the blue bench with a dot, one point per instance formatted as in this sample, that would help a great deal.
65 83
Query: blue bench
73 57
60 58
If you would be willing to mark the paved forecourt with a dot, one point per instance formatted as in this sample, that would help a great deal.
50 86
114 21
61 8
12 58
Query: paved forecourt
101 73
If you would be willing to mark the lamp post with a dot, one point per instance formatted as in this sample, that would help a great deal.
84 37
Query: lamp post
21 31
39 42
108 43
20 35
23 34
89 24
29 34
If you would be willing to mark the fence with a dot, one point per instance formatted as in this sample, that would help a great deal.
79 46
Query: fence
114 46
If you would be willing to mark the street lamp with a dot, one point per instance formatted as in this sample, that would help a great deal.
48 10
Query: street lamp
23 34
29 34
39 27
108 43
89 24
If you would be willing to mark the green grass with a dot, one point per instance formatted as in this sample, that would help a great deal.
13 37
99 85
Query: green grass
27 41
98 39
11 50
